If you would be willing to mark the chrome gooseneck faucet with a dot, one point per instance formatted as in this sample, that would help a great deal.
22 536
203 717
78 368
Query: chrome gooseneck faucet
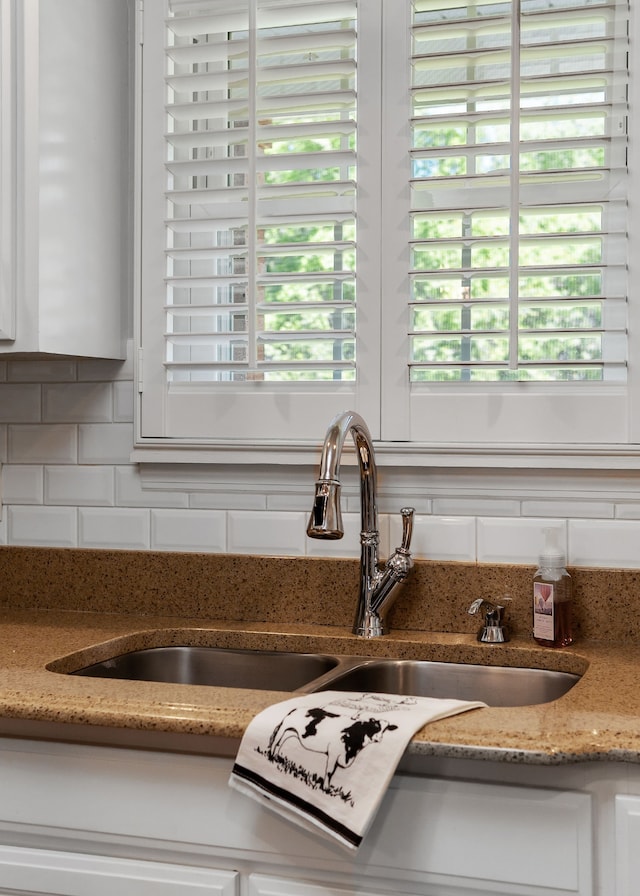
378 588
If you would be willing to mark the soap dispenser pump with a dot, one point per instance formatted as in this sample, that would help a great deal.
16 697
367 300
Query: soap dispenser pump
552 596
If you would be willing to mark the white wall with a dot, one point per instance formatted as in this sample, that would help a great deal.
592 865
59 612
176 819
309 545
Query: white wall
66 433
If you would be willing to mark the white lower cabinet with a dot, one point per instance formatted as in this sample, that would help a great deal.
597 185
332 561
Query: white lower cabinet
57 873
91 821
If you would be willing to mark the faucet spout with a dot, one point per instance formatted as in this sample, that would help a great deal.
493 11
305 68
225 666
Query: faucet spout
377 588
326 516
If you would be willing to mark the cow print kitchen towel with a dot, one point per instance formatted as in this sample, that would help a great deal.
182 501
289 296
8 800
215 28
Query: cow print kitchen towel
325 760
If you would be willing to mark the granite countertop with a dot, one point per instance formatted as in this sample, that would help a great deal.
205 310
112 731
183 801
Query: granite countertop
598 719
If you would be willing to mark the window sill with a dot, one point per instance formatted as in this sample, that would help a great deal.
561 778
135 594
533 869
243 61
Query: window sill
396 454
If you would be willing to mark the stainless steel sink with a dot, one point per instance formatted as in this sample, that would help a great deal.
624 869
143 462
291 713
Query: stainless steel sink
494 685
216 666
308 672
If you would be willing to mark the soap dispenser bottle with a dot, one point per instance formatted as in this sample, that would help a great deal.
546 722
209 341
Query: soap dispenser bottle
552 597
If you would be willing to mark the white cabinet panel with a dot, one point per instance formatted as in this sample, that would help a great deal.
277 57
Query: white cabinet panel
627 815
266 885
63 137
454 829
38 871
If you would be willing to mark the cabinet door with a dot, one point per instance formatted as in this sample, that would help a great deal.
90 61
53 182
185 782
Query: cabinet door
266 885
39 871
627 845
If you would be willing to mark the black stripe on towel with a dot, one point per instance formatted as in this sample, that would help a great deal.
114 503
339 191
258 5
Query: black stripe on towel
303 805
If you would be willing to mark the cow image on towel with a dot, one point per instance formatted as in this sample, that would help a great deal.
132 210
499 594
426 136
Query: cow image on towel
341 736
324 760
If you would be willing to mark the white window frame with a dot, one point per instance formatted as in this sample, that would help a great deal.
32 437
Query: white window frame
615 436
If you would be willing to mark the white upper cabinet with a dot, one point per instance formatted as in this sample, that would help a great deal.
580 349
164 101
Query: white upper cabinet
7 175
64 124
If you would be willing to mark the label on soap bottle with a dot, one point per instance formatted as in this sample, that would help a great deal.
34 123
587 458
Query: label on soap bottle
543 611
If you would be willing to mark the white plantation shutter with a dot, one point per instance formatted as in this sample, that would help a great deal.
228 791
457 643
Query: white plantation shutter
518 221
262 194
530 284
259 228
413 208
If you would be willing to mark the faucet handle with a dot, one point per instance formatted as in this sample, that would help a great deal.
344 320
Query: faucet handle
407 528
399 564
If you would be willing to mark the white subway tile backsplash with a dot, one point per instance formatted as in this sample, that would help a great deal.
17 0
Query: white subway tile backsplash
228 501
96 370
516 540
114 528
392 503
77 403
123 402
66 437
105 443
610 543
41 444
190 530
22 484
475 507
129 491
438 537
20 403
52 526
79 485
266 532
350 503
565 509
629 511
99 370
290 502
347 546
384 524
40 371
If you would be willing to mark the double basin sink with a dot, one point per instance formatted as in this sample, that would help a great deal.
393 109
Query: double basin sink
308 673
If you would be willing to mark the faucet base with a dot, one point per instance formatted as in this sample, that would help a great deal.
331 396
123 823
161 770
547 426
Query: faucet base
372 626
